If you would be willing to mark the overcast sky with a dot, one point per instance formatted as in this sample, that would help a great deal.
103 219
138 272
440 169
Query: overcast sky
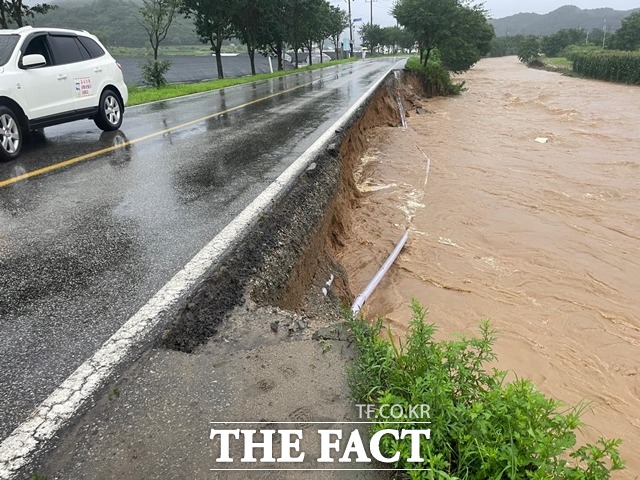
497 8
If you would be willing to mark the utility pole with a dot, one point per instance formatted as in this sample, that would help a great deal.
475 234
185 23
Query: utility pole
350 30
371 23
604 37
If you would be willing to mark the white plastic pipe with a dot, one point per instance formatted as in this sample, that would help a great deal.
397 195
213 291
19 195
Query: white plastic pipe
366 293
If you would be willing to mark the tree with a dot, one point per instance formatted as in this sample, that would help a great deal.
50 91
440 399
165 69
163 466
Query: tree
275 29
212 20
313 18
298 25
471 41
247 23
430 20
528 48
628 35
157 16
595 37
324 29
338 20
397 38
552 45
459 31
372 36
14 11
503 46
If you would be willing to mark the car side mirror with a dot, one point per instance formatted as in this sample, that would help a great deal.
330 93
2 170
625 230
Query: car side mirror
33 61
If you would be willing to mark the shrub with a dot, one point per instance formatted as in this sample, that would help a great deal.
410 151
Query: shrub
436 78
528 49
481 427
153 72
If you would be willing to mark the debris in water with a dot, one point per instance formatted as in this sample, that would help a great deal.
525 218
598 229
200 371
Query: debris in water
422 111
542 139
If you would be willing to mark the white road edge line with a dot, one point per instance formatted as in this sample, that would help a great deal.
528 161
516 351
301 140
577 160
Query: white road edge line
59 408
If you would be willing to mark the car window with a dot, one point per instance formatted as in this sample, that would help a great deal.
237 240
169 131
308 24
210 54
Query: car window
92 47
65 49
38 45
7 44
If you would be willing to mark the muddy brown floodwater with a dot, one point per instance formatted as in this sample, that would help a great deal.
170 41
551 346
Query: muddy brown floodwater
541 238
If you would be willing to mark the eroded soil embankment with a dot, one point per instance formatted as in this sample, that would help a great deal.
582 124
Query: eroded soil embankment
290 249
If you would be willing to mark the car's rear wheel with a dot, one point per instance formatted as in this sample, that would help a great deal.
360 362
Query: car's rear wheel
110 111
10 134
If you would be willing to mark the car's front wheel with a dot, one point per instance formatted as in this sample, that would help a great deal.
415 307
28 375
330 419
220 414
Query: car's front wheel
110 111
10 135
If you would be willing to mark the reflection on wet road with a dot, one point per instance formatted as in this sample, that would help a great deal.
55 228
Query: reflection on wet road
84 246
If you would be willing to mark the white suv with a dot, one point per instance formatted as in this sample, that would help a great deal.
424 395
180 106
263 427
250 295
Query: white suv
50 76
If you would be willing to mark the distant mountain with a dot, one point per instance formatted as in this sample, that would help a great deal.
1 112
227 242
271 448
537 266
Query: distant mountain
568 16
114 22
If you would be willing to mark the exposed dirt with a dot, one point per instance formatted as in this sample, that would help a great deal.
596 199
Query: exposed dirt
292 246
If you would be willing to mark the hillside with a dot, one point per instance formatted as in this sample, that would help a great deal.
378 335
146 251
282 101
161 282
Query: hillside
568 16
113 21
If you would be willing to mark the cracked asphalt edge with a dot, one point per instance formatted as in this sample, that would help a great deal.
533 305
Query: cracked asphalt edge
57 410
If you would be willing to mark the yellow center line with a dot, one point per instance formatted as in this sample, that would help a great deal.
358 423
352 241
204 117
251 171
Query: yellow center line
86 156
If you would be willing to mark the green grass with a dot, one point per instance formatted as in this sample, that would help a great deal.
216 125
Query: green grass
481 426
559 62
138 95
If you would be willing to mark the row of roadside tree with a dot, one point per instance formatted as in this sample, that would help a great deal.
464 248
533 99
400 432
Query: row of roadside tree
267 26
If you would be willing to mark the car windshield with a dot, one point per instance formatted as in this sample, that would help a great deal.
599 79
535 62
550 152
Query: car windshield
7 44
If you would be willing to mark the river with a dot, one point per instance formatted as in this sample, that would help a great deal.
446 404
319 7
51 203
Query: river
529 216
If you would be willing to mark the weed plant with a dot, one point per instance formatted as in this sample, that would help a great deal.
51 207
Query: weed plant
436 78
481 426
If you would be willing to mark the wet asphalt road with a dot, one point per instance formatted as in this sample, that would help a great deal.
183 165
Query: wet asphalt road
82 248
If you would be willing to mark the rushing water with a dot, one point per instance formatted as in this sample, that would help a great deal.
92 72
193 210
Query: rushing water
530 217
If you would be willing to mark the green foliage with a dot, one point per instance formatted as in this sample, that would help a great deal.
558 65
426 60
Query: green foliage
14 13
528 49
459 31
552 45
481 427
503 46
611 65
337 22
437 79
375 37
628 36
156 16
153 72
471 42
572 51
